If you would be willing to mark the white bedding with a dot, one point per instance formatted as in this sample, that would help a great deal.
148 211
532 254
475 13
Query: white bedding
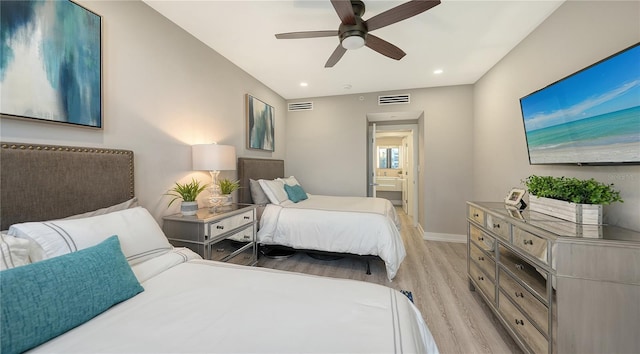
357 225
204 306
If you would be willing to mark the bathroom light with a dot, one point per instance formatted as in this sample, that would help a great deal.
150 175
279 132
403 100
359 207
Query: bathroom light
353 42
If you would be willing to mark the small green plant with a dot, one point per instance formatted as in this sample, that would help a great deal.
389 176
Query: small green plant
187 191
572 190
228 186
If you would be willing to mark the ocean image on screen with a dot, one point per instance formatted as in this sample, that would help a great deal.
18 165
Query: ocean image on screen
590 117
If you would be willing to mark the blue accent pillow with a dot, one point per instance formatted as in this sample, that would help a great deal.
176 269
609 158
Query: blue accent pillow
295 193
42 300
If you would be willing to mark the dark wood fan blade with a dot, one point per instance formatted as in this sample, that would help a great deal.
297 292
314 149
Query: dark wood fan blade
308 34
335 57
345 11
399 13
383 47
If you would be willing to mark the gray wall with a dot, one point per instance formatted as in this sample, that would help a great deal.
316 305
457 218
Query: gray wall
576 35
163 91
327 149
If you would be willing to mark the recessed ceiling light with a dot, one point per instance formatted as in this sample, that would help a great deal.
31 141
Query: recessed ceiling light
438 71
304 84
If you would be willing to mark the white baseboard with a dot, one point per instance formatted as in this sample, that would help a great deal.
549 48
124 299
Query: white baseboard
436 236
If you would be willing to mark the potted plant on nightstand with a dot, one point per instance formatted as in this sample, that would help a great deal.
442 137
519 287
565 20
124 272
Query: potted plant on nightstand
188 192
570 199
227 187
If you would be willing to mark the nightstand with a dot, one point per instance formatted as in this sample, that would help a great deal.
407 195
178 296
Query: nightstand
227 234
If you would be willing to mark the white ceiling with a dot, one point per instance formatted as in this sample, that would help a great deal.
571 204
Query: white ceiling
462 38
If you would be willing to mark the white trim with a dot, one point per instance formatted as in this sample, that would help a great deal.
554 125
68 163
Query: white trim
436 236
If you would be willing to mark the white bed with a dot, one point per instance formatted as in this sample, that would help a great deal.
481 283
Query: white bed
356 225
190 305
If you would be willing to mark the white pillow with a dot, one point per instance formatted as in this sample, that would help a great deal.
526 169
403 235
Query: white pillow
274 190
292 181
14 252
140 236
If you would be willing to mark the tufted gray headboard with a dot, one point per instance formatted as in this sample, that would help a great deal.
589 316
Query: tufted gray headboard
250 168
45 182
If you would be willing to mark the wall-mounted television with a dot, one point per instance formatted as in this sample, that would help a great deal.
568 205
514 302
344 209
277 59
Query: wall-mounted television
591 117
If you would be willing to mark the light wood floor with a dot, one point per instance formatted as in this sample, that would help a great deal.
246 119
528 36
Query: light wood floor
435 272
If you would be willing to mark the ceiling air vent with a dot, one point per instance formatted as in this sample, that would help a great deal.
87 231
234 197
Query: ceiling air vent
393 99
301 106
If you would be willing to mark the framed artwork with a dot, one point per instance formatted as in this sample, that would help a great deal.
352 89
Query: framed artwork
260 124
514 198
51 62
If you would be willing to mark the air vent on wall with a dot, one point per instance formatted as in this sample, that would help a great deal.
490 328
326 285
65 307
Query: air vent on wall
393 99
301 106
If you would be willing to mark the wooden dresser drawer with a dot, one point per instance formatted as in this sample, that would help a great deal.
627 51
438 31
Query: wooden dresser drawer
481 239
230 223
499 227
536 310
485 283
476 214
525 271
521 325
486 263
534 245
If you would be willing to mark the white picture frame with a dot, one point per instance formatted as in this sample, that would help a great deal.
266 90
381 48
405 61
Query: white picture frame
514 198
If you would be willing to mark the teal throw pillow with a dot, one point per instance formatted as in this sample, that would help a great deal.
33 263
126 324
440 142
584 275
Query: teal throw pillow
42 300
295 193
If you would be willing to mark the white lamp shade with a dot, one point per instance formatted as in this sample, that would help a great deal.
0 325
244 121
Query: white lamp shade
213 157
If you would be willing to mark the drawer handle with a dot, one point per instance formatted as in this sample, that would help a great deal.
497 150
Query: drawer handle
519 294
481 258
520 266
528 242
519 322
496 226
480 277
220 250
475 215
247 237
246 218
480 238
220 227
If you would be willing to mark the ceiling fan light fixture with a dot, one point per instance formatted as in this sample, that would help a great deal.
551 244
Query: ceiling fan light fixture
353 42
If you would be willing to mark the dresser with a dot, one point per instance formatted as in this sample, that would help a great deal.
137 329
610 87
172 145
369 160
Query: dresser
226 234
556 286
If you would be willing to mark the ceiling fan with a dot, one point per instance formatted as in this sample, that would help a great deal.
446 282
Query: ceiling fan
354 31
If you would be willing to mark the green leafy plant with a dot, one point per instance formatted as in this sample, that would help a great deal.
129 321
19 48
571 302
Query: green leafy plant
228 186
572 190
187 191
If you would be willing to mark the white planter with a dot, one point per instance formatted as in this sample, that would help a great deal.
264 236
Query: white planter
189 208
590 214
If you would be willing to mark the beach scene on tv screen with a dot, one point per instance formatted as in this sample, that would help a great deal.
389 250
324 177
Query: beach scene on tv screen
592 116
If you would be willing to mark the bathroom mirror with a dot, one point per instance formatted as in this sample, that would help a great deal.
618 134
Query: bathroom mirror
389 157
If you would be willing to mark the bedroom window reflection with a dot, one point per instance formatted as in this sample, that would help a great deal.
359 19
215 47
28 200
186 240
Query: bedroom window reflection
389 157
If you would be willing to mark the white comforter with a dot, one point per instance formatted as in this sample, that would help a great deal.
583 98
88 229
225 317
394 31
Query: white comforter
206 307
357 225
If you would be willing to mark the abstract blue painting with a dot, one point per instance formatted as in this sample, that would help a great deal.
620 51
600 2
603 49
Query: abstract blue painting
50 62
260 125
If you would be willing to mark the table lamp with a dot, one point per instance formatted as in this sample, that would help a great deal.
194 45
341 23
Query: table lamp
214 158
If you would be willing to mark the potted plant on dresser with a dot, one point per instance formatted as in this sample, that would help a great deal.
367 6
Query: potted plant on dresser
188 192
579 201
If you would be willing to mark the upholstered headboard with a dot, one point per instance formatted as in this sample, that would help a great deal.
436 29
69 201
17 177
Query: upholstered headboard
250 168
45 182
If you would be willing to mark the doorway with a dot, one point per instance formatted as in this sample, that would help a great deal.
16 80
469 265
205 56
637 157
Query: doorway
392 164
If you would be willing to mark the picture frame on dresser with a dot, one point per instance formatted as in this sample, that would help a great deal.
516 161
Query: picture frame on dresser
514 198
55 50
260 124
